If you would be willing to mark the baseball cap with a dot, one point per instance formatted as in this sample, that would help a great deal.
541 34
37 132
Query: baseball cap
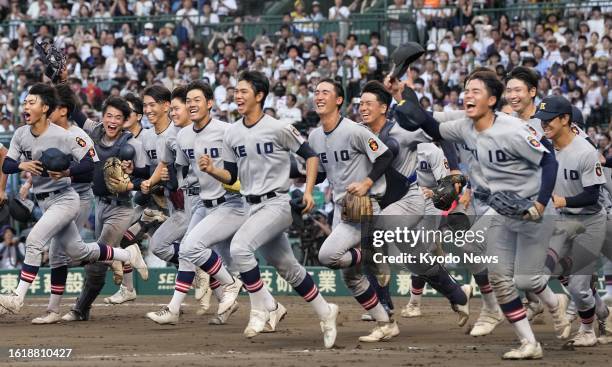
403 56
148 26
553 106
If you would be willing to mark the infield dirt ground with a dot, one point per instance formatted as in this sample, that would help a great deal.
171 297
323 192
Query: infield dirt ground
121 336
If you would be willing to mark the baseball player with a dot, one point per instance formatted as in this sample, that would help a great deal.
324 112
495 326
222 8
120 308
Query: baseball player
162 153
409 204
576 196
513 160
82 185
55 196
219 217
257 150
113 214
353 160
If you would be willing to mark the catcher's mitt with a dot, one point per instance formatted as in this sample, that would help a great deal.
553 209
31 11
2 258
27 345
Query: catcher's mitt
53 58
113 169
511 204
354 207
446 193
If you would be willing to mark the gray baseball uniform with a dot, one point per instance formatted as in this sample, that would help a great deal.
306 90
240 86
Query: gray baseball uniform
58 200
346 155
261 153
219 221
173 229
579 167
509 155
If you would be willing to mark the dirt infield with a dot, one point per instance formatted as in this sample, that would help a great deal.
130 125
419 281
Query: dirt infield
121 335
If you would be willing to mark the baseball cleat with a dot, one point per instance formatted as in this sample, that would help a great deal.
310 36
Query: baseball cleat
117 268
382 332
164 316
205 302
560 322
137 261
486 322
73 315
411 310
328 326
222 319
276 317
230 294
535 312
50 318
527 350
201 283
257 323
464 310
584 338
11 303
121 296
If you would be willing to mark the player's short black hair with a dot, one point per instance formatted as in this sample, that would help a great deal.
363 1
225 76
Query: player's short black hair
47 94
527 75
118 103
337 87
179 92
65 98
202 86
489 78
378 89
258 82
159 93
136 103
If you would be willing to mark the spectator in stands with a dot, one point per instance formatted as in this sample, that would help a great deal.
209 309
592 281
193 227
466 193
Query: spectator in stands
341 14
12 251
289 111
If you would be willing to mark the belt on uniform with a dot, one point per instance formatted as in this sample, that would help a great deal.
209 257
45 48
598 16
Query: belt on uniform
114 201
192 191
215 202
44 195
256 199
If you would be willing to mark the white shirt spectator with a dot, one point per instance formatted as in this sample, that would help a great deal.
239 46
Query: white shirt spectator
76 8
291 115
157 55
114 69
143 8
224 7
220 94
339 13
34 9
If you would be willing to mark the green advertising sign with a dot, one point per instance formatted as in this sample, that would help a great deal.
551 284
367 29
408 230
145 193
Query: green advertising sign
161 282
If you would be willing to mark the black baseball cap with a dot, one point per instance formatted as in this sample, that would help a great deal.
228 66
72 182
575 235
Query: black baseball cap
553 106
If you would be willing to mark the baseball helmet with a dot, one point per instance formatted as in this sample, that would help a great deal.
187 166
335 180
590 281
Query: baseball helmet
21 210
403 56
55 160
126 152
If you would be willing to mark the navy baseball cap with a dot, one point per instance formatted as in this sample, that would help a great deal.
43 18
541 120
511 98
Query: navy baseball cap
553 106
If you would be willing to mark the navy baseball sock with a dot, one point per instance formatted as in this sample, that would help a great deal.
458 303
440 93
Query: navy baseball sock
214 267
514 310
309 291
58 284
417 286
486 290
586 318
26 277
445 284
183 282
368 299
259 295
382 292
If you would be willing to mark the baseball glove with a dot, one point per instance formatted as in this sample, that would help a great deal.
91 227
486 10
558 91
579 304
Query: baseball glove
113 169
53 58
445 193
354 207
512 205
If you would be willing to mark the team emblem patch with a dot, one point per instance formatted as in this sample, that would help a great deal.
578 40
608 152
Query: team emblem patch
446 164
533 141
373 144
532 130
81 142
598 170
92 152
575 130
